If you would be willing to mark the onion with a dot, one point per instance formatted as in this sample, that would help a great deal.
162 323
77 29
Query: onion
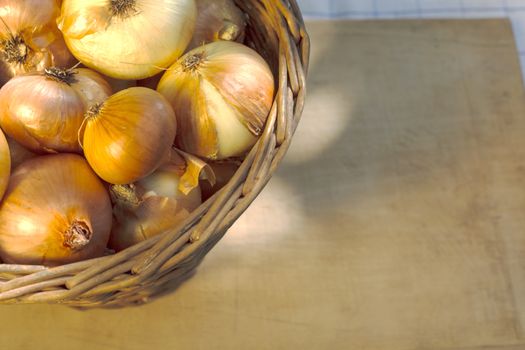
29 38
127 39
158 202
217 20
129 135
44 111
55 211
221 93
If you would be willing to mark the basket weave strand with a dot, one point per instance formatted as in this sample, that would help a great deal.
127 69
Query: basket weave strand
135 275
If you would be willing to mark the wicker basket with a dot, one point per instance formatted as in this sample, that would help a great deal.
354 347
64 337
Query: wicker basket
135 275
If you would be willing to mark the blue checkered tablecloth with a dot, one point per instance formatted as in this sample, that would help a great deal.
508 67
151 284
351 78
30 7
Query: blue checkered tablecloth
388 9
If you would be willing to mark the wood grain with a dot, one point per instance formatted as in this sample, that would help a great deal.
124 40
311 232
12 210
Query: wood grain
397 221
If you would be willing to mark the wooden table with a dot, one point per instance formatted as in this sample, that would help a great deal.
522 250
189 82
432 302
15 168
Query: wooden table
397 221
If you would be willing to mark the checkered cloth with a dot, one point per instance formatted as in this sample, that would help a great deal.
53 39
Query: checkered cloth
383 9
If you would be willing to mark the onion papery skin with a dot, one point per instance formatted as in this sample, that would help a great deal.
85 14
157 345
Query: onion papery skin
134 43
30 40
221 93
156 212
130 135
217 20
44 114
48 199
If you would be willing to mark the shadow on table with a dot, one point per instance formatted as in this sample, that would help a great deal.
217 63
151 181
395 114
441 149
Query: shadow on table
387 108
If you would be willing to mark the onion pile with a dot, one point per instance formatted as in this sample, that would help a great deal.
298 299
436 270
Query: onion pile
120 118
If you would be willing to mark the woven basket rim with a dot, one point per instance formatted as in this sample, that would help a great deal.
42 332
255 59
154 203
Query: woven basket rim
148 269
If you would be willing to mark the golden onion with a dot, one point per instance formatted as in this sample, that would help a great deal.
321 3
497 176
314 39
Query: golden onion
44 111
55 211
221 94
127 39
129 135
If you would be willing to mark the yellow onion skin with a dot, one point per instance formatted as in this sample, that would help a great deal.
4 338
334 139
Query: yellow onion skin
217 20
44 113
129 135
5 163
221 93
127 39
160 205
55 211
30 39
